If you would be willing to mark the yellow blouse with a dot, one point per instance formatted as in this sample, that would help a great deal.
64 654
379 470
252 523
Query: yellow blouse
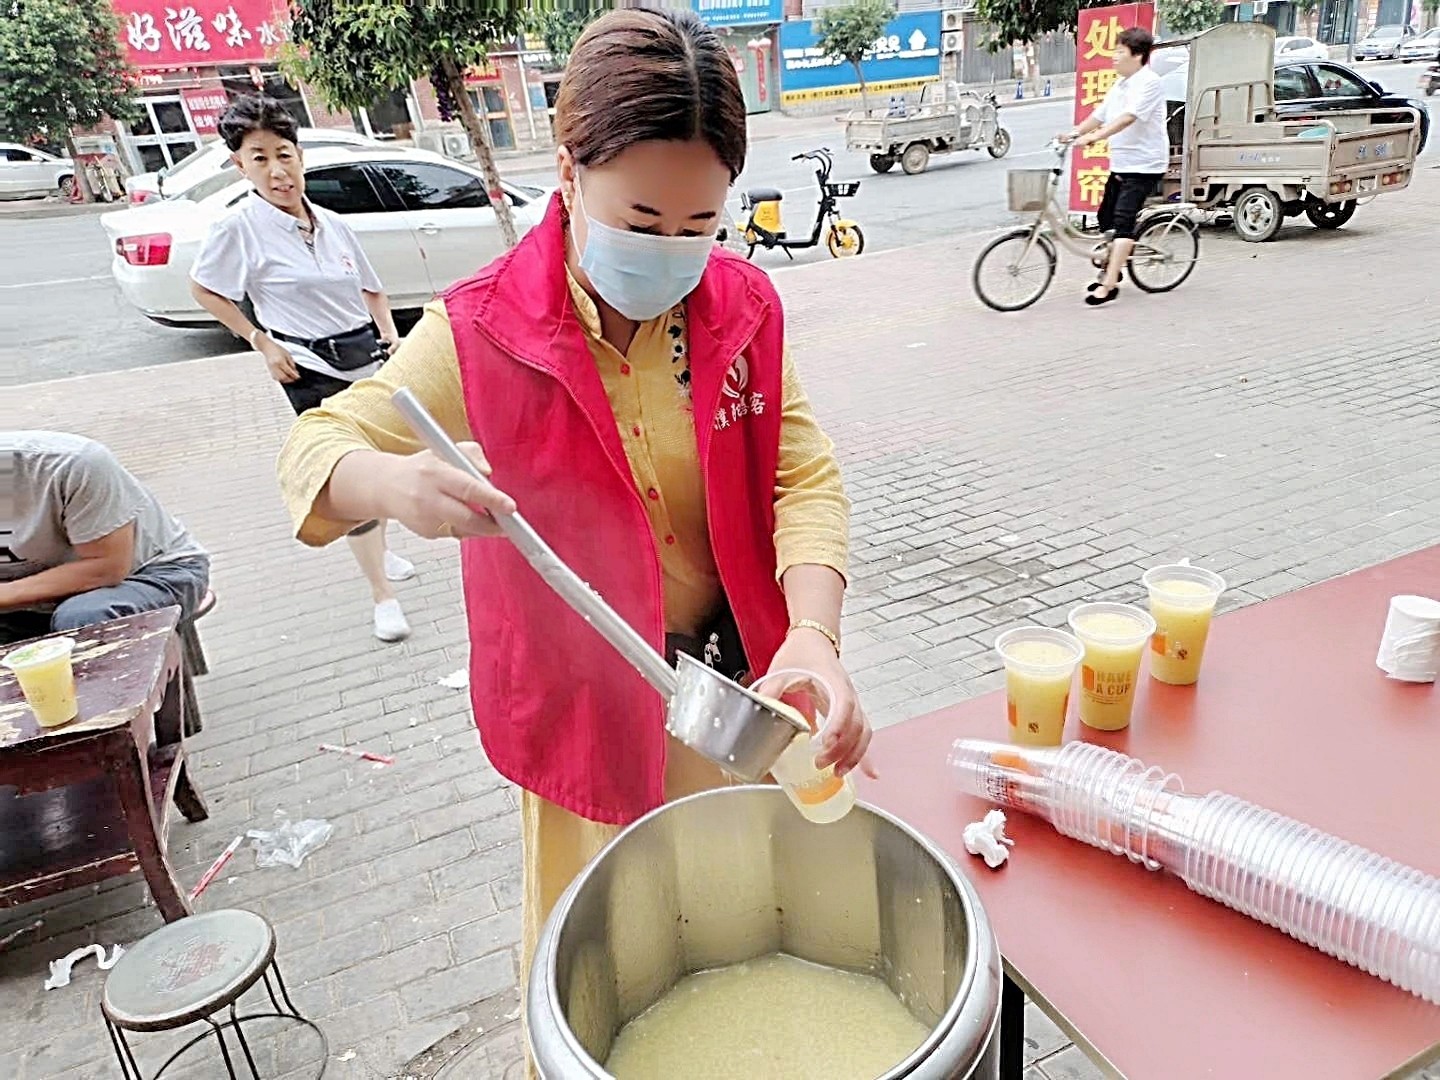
648 388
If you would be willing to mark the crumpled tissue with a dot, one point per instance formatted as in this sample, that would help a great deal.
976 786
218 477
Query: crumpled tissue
987 839
60 969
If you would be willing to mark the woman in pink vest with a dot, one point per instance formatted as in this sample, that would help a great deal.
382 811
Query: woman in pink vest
629 383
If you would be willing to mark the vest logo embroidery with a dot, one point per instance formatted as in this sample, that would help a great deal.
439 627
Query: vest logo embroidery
737 378
743 406
742 403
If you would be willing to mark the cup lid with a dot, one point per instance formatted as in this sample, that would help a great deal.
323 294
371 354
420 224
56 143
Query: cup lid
38 652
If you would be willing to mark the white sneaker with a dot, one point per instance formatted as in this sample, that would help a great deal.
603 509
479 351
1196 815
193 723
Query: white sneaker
398 569
390 624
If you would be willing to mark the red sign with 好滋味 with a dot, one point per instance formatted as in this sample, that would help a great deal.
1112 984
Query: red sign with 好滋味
1097 34
171 33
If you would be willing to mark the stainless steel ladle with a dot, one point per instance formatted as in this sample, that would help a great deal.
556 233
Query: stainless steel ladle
713 715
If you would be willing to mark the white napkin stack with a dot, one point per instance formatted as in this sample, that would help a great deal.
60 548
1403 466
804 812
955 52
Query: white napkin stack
1410 646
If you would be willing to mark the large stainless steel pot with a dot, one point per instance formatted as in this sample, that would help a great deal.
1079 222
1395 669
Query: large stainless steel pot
734 874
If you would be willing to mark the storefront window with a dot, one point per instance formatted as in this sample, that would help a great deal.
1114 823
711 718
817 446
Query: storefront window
489 102
240 82
161 135
390 116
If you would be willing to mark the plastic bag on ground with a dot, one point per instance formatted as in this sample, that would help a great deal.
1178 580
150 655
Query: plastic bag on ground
289 842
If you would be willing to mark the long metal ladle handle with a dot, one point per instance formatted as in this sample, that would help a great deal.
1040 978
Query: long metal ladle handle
566 583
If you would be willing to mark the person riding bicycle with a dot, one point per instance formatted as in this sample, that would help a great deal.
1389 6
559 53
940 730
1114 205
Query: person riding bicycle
1132 118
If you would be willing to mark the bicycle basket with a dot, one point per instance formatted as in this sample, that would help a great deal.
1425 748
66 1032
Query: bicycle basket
843 191
1028 189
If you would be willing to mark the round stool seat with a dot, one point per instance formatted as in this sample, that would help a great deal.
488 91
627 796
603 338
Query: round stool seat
187 970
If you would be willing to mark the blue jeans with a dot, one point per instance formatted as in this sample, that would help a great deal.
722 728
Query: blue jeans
182 582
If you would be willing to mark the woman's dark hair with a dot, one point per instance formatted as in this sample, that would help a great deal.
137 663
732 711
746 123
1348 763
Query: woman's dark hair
1139 42
637 75
256 113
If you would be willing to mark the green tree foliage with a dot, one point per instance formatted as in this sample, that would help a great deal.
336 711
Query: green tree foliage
354 51
1025 21
1185 18
561 27
850 31
61 66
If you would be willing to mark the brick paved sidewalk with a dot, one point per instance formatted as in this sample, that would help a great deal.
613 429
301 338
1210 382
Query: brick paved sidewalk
1274 418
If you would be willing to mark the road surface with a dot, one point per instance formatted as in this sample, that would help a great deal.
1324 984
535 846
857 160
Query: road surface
65 317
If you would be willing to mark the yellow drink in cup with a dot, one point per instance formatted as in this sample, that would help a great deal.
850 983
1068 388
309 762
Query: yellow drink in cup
1114 636
1039 668
1182 599
47 679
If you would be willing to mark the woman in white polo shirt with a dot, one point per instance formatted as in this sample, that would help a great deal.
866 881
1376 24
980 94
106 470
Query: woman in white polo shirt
1132 119
325 320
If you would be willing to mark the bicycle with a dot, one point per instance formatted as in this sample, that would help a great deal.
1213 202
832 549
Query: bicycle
1167 243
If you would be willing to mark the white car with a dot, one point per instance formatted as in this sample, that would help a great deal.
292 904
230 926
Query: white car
424 220
26 172
1382 43
1424 47
214 158
1300 48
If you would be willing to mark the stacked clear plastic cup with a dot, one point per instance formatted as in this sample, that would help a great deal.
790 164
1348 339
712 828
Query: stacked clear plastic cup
1089 793
1345 900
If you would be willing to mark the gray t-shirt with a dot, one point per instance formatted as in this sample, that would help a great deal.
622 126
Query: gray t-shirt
59 490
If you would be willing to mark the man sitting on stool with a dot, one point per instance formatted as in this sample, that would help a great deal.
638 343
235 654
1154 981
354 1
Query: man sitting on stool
82 541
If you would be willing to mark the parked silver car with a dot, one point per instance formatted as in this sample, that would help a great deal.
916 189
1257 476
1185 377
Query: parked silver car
1383 43
1424 47
27 173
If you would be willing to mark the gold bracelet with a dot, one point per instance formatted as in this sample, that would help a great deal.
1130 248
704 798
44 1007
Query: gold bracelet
819 627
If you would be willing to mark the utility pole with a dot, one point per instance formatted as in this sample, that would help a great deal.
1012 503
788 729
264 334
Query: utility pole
1351 26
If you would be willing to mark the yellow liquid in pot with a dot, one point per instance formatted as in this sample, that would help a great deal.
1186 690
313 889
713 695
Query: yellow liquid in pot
776 1017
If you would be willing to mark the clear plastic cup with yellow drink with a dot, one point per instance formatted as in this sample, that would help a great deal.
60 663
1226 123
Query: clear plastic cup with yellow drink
1114 636
46 675
1039 670
1182 600
818 794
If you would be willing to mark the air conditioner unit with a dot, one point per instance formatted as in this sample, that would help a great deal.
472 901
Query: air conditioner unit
952 20
457 145
953 43
433 141
1261 7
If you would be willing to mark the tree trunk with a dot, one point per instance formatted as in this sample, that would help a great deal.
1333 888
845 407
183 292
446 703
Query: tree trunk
82 174
480 143
864 93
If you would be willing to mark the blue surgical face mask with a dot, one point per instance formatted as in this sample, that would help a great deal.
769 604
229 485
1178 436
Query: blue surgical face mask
640 275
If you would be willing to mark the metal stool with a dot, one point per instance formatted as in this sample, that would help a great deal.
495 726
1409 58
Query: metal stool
187 972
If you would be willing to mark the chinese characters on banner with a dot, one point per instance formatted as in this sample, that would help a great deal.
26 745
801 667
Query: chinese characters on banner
206 107
1096 36
186 33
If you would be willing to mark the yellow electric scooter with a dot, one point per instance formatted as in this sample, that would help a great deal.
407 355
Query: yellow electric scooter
762 225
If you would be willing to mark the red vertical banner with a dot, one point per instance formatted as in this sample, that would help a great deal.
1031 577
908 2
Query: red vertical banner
1097 35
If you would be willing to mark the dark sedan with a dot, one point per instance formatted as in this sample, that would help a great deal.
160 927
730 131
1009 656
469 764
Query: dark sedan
1306 88
1310 88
